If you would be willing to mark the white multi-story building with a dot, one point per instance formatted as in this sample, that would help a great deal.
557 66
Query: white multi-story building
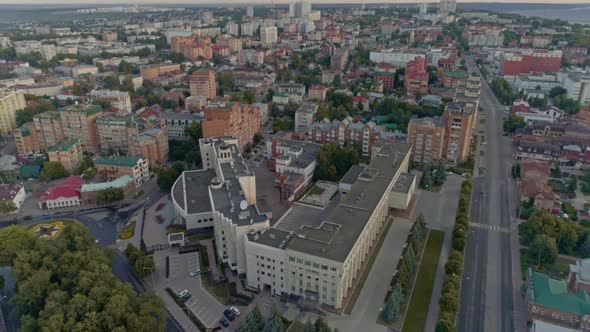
220 198
304 116
396 58
14 193
118 99
320 256
176 124
232 28
577 85
248 28
541 83
250 11
268 35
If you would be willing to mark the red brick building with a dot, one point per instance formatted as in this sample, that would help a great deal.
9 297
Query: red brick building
416 79
240 121
345 132
523 61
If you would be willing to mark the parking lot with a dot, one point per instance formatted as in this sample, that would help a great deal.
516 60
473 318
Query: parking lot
201 303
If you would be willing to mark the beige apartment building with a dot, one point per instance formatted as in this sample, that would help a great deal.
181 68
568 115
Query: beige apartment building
10 102
115 132
68 153
113 167
240 121
151 72
78 121
49 129
152 145
25 138
427 137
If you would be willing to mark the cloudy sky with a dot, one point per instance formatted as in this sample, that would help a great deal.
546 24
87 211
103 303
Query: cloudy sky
267 1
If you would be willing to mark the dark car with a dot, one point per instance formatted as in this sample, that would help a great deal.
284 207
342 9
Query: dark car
229 315
186 297
224 322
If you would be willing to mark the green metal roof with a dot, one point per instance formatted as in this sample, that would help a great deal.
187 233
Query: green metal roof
30 171
120 182
63 145
88 109
127 161
553 293
456 73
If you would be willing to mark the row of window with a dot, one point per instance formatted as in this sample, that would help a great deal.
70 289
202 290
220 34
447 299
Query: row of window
314 264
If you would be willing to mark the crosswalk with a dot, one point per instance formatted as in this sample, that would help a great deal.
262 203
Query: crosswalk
490 227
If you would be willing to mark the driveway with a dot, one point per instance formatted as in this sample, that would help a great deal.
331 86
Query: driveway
370 302
201 303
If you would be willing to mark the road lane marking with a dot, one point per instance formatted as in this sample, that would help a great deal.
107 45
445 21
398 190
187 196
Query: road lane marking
490 227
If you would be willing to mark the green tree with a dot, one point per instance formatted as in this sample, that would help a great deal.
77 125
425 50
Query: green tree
544 249
274 323
111 82
166 177
449 302
194 131
557 91
85 164
393 304
53 170
253 322
144 265
334 161
585 247
249 97
513 122
444 326
7 206
67 285
454 265
110 195
81 88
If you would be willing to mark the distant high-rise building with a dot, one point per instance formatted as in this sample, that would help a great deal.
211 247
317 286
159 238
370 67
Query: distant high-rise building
268 35
232 28
302 8
248 28
250 11
207 17
447 7
292 8
423 8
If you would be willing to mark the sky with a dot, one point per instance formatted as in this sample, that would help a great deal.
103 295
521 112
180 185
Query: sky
119 2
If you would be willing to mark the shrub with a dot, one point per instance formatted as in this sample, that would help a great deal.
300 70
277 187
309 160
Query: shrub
125 235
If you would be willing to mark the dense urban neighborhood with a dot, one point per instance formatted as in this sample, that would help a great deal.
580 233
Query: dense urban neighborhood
293 166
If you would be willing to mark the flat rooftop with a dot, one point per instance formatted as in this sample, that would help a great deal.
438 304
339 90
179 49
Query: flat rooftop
403 183
355 209
352 175
191 191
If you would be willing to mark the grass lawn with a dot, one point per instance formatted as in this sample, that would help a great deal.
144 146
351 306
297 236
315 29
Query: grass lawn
217 290
559 269
315 190
418 309
368 267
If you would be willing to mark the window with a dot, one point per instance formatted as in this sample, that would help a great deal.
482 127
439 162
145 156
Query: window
291 259
316 265
299 261
308 263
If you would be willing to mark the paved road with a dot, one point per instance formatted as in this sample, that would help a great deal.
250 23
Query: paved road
487 302
370 301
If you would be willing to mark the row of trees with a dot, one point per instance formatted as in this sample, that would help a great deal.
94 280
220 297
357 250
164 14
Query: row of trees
67 284
255 322
406 267
110 195
503 91
449 300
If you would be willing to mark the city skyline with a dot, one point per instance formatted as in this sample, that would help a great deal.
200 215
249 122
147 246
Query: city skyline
276 2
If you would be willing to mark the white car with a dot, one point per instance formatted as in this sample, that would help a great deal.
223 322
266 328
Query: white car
195 273
183 293
235 310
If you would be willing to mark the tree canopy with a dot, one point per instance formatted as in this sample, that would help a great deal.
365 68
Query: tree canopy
66 284
334 161
53 170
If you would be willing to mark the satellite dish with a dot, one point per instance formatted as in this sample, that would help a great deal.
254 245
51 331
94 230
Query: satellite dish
243 205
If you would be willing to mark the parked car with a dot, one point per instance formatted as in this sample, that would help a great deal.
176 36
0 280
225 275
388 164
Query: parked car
224 322
229 314
195 273
185 298
183 293
235 310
